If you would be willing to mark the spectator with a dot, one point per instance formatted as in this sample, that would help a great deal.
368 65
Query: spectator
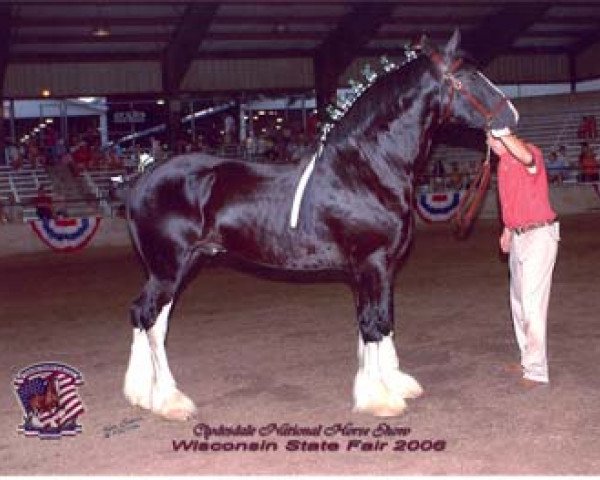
50 138
438 175
588 165
556 168
43 204
61 151
113 159
12 210
229 129
35 155
156 150
82 157
569 168
456 177
3 216
13 158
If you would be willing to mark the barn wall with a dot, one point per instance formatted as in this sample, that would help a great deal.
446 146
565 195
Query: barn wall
533 69
84 79
19 238
588 63
248 74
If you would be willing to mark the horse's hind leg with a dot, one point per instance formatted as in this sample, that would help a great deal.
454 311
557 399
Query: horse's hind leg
149 382
380 387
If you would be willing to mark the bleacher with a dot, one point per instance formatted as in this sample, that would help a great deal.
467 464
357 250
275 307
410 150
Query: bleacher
98 183
23 183
548 122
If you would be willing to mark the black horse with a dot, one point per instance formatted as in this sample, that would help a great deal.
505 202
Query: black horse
354 216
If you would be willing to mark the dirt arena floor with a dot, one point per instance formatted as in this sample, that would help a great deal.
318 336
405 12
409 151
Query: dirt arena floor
253 352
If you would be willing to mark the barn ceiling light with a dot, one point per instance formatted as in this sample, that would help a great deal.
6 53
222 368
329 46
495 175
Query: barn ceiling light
100 31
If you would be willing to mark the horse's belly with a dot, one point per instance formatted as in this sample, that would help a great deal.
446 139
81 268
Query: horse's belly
287 251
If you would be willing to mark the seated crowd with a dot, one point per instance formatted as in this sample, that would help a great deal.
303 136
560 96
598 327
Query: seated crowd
583 169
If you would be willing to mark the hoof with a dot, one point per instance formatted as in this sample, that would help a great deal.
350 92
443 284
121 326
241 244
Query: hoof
403 385
373 396
177 407
138 393
392 409
138 400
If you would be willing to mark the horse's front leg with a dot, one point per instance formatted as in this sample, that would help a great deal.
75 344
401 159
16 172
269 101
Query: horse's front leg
149 382
380 387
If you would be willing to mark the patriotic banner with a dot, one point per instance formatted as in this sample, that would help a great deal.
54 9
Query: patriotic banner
50 401
66 234
438 207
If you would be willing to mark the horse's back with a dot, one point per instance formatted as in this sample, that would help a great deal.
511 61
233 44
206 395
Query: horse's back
205 203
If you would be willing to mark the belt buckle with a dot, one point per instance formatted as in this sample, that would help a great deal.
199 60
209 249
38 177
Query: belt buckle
533 226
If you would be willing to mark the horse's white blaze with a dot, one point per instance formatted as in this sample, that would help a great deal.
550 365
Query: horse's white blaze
510 104
149 382
380 387
140 373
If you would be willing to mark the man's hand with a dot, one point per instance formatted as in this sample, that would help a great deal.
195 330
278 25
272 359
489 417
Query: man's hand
505 240
500 132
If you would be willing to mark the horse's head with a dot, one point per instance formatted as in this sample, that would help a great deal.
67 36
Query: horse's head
465 93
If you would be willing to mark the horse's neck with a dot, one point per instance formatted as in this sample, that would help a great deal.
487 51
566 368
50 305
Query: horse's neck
393 148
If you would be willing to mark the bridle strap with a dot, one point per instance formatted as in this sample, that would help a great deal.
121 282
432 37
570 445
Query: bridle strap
456 85
470 203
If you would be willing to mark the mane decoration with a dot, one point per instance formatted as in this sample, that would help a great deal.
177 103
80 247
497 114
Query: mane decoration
338 110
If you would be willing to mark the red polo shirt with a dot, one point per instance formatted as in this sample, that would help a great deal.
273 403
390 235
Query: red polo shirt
523 195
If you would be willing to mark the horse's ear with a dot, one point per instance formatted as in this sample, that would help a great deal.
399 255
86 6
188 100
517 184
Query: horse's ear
423 44
452 45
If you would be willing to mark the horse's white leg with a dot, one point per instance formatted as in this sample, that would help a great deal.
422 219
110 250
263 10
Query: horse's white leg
140 372
380 387
166 399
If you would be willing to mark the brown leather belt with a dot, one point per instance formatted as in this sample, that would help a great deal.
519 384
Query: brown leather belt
532 226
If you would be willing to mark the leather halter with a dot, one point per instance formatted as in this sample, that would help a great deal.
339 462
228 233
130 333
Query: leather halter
456 85
470 203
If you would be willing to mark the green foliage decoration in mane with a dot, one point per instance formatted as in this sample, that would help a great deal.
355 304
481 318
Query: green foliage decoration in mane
335 112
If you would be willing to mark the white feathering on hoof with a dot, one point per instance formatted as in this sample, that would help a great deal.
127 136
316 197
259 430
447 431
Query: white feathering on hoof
380 388
167 400
138 379
148 381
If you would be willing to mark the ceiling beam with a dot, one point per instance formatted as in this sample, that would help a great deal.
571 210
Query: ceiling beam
341 46
56 21
55 39
182 49
586 41
5 40
497 33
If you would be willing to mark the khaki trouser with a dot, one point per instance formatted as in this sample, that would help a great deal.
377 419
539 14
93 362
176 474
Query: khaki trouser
531 260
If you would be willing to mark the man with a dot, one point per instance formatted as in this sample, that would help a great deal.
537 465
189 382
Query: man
43 204
556 168
530 236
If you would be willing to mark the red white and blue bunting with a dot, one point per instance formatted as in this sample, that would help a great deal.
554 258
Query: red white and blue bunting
66 234
439 206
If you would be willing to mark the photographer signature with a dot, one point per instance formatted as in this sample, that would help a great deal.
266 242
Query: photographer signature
124 426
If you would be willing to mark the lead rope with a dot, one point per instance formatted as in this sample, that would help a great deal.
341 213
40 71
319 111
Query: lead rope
469 204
